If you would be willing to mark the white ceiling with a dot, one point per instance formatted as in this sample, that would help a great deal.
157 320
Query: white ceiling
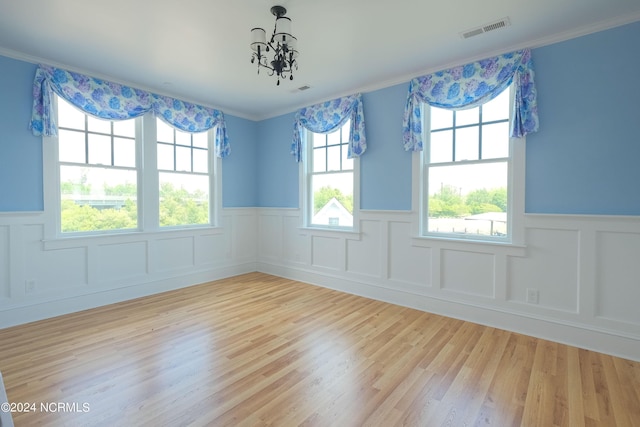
198 50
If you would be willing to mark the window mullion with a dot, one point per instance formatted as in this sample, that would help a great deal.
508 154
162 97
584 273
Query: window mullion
453 135
149 188
480 126
113 146
86 139
191 151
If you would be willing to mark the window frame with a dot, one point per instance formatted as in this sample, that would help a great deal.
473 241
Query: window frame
306 192
515 189
147 186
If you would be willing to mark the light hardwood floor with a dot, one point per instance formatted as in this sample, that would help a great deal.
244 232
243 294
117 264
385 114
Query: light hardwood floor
257 350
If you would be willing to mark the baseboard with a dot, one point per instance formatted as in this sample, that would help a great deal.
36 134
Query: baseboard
582 336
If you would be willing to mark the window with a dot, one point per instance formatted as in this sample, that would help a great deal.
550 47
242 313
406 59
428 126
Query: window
103 186
467 172
329 179
98 172
183 166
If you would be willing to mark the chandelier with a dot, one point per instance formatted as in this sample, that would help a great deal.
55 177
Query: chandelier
281 47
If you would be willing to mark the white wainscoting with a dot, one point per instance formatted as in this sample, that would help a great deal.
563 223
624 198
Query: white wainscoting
584 269
42 278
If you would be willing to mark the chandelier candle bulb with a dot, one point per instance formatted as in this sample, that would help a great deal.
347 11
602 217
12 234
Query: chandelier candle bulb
258 39
283 29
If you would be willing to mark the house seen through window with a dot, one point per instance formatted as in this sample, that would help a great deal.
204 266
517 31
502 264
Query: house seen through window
466 171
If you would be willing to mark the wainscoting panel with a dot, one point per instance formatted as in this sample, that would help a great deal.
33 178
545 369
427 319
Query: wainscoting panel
618 276
172 254
294 249
271 233
407 263
467 272
328 252
363 255
123 261
583 271
550 269
52 271
211 250
244 235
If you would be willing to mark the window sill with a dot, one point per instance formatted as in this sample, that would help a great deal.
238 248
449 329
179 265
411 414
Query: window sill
485 246
79 241
349 234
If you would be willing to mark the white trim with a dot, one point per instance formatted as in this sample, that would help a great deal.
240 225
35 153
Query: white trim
330 232
149 209
127 237
482 246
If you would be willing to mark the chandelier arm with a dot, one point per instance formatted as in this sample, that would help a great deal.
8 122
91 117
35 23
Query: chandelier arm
262 63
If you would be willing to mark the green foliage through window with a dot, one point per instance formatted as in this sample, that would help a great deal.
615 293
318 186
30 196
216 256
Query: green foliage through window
177 207
450 203
180 207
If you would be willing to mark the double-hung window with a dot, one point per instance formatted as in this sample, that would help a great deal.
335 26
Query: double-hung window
98 170
330 179
183 175
111 173
468 172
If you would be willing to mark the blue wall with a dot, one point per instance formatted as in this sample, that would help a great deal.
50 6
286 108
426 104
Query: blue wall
584 159
20 151
239 169
278 174
21 178
385 168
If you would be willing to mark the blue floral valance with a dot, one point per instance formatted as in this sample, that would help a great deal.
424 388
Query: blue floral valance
113 101
470 85
329 116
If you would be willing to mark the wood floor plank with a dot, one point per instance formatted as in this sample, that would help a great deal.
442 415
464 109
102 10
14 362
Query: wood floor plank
259 350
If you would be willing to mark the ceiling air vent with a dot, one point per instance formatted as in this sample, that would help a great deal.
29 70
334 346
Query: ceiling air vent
504 22
300 89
